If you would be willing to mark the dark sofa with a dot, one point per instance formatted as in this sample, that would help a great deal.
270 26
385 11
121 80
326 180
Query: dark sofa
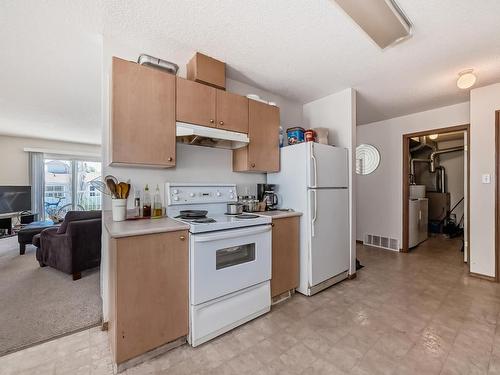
73 247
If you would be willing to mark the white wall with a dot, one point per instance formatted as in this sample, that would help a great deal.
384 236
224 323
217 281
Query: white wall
337 112
484 102
379 195
14 168
194 164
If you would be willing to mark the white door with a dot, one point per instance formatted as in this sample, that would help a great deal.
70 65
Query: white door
329 229
327 166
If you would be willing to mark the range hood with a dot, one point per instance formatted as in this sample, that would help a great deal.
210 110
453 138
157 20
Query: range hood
210 137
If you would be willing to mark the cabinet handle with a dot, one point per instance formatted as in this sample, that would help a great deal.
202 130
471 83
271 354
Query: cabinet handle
252 165
182 238
272 224
221 122
212 120
170 158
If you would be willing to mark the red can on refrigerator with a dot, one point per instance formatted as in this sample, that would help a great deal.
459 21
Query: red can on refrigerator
310 135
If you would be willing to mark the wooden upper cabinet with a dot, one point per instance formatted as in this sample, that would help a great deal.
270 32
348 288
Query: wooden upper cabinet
142 115
262 153
196 103
232 112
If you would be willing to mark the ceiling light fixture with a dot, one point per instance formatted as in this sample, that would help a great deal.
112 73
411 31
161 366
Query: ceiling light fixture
382 20
433 136
466 79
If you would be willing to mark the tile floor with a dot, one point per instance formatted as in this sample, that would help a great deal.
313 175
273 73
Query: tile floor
416 313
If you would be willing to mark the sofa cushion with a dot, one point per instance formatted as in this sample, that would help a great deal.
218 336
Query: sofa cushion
77 215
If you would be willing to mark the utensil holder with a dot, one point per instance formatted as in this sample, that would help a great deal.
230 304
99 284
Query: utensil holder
119 209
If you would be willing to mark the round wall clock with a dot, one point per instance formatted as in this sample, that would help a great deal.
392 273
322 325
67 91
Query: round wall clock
367 159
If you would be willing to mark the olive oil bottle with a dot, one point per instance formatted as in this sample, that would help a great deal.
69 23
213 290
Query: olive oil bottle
157 207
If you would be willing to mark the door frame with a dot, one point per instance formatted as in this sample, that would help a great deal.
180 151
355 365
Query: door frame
497 195
406 186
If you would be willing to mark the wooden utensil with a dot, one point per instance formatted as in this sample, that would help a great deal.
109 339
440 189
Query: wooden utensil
118 191
112 187
124 190
128 190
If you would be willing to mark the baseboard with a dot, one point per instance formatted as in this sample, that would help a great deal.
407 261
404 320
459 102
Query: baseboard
282 297
120 367
352 276
484 277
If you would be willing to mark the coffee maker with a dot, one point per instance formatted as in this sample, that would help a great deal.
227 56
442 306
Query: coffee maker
267 193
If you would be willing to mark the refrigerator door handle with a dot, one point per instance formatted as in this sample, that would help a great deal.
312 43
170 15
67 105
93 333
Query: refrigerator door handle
315 205
315 170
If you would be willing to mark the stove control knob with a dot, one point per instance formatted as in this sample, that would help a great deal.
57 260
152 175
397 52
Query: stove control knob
230 191
175 191
176 198
219 194
191 195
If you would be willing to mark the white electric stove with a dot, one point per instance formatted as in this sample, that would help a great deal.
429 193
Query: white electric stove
229 259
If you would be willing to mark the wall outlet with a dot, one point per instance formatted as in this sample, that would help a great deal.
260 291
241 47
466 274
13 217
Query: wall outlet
486 178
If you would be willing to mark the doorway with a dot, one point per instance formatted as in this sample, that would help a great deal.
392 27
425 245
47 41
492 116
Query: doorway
426 186
497 195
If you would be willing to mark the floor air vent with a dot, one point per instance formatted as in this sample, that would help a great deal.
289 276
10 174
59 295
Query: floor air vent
381 241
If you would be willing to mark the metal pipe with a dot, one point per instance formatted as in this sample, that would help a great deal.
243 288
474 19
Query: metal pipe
432 157
412 164
423 143
440 179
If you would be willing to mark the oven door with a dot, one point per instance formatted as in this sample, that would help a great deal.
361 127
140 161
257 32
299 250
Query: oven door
226 261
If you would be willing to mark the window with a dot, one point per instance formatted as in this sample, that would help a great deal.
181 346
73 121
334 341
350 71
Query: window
67 186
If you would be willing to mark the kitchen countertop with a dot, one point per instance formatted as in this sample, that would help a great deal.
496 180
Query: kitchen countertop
279 214
128 228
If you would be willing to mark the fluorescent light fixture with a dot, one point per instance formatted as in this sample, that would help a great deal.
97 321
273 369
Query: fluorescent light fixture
433 136
382 20
466 79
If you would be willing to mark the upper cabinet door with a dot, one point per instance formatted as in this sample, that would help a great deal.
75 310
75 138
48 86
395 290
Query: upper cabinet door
262 153
143 115
195 103
263 131
232 112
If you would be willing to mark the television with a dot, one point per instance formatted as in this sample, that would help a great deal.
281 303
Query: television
15 199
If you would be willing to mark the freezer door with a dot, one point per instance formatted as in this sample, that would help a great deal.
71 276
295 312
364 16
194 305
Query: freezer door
327 166
329 233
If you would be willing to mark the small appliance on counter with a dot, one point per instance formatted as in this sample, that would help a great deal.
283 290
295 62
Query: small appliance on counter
267 193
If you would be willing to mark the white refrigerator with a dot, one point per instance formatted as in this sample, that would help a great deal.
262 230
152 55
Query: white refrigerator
314 180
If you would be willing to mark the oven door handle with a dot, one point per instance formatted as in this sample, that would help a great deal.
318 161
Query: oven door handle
231 234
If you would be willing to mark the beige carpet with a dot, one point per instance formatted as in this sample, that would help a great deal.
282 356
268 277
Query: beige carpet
37 304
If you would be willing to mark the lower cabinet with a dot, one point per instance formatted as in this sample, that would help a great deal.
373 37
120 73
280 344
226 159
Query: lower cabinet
285 269
148 292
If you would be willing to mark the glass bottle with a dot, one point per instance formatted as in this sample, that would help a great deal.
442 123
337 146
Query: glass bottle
137 202
146 203
157 208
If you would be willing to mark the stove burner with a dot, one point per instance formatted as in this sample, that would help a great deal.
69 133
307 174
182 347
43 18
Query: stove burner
191 217
247 216
204 220
192 214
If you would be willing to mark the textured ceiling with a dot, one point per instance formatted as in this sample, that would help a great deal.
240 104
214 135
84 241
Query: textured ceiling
50 70
301 49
